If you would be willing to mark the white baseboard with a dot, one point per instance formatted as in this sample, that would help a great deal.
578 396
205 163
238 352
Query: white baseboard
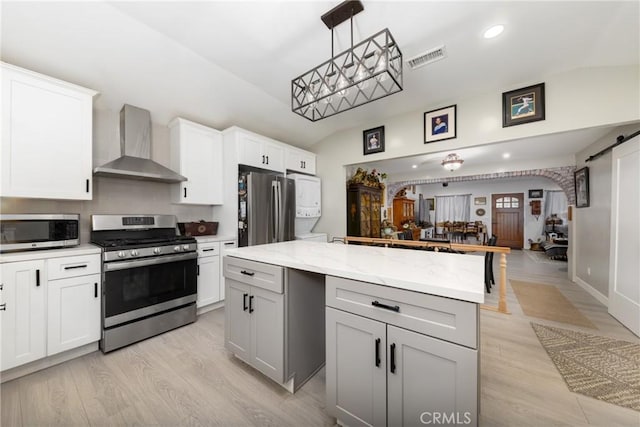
207 308
37 365
592 291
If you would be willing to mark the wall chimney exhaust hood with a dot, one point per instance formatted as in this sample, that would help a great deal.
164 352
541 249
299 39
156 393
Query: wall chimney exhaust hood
135 147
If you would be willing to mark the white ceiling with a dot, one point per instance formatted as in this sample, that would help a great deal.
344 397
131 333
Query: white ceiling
225 63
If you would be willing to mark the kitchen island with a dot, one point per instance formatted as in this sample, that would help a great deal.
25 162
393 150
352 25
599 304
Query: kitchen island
399 327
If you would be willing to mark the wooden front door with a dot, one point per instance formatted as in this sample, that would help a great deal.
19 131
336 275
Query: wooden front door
507 218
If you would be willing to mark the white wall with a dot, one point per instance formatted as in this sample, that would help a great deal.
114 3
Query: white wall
593 223
571 103
533 227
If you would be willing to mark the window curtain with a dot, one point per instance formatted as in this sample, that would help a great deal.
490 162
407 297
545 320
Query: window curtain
453 208
555 202
423 214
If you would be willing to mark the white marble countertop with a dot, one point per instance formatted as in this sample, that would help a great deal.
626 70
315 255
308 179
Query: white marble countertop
84 249
444 274
216 238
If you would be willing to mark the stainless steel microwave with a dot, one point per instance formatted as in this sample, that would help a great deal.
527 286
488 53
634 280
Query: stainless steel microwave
21 232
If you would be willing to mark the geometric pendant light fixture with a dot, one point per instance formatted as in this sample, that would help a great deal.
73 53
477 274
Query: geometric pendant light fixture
369 70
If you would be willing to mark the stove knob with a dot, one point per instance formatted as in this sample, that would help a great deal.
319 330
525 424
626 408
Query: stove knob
177 248
121 254
185 247
157 250
134 253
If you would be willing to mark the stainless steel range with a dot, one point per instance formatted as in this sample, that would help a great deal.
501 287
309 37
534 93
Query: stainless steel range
149 277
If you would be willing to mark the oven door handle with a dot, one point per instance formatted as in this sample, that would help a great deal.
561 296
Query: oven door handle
122 265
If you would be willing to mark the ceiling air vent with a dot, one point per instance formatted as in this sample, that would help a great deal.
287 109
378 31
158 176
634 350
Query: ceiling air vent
427 57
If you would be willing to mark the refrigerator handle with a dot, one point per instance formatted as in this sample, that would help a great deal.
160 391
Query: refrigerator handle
274 211
278 210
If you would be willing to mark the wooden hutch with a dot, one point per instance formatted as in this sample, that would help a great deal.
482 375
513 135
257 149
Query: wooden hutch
403 211
363 210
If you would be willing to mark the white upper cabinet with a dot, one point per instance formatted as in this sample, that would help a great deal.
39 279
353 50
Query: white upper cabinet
257 150
300 161
196 153
46 149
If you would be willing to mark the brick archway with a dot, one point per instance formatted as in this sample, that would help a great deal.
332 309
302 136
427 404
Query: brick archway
563 176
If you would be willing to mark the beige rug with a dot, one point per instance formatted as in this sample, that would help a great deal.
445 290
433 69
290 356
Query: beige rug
547 302
598 367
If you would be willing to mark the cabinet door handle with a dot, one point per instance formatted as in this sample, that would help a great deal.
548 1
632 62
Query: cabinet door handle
377 352
71 267
263 159
267 159
251 304
1 286
95 290
38 277
3 307
185 192
385 306
87 186
198 271
392 350
244 302
248 273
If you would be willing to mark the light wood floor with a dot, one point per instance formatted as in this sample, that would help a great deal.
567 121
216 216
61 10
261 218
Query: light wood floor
185 377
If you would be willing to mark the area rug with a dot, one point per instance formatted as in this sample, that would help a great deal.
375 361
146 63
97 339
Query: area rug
540 257
547 302
595 366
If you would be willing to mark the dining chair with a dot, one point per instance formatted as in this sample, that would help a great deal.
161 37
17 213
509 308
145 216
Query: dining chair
488 264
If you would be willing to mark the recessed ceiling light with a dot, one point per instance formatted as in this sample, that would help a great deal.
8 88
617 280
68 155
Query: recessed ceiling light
414 166
494 31
506 155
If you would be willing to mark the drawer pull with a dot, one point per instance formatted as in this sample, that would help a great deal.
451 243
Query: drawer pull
386 307
75 266
208 250
251 304
248 273
229 243
244 302
377 352
3 307
392 350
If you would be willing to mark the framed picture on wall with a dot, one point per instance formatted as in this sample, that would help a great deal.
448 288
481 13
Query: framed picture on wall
523 105
535 194
431 204
480 201
581 178
373 140
440 124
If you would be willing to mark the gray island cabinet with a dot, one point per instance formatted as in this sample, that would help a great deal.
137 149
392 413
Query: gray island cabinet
399 327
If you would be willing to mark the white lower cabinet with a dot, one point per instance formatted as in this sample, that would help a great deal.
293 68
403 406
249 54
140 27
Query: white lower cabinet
227 244
73 312
379 374
42 316
208 273
23 303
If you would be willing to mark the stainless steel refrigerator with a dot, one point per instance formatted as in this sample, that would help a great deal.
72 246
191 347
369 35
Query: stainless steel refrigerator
266 208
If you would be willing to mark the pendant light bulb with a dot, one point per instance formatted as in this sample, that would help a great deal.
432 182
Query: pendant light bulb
342 85
362 76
